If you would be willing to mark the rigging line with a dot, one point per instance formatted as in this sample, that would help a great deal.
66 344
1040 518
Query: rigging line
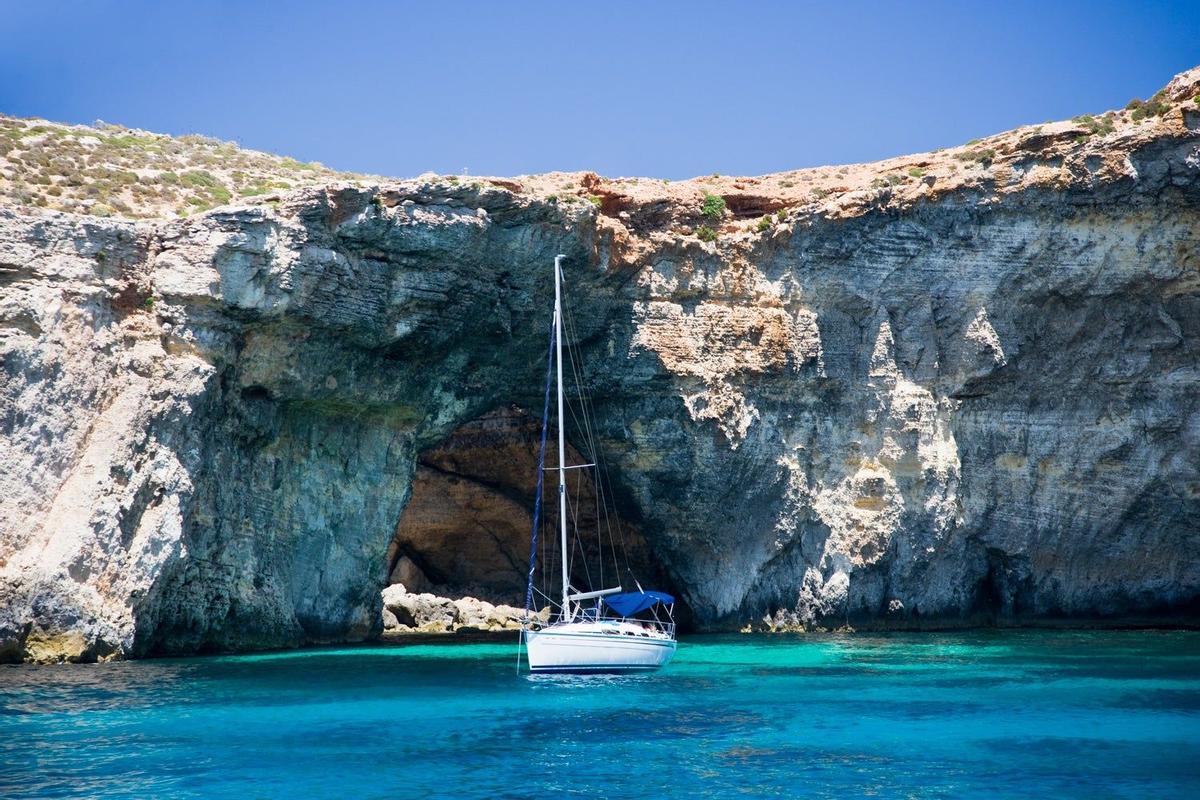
576 372
579 477
602 480
546 559
580 423
582 419
537 503
584 399
604 521
584 422
599 541
573 506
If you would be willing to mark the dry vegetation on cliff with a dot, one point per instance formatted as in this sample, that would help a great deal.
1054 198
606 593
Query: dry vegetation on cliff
109 170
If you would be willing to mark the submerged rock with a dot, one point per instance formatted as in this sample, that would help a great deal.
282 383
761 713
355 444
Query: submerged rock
945 389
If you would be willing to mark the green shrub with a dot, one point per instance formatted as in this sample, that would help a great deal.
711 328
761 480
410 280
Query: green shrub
1095 126
292 163
21 193
128 142
916 172
706 234
1156 106
763 224
255 189
200 179
196 139
982 156
713 206
595 200
36 130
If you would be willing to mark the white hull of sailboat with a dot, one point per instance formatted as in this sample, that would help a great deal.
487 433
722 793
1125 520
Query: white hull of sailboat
578 649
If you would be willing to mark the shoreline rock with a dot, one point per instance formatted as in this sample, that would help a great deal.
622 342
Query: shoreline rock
405 612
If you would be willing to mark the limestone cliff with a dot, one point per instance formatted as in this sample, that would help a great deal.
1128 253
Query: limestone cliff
952 388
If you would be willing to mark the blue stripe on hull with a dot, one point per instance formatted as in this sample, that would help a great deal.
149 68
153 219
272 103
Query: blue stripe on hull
594 669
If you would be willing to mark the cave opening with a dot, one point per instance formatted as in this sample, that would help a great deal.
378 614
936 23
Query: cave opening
465 532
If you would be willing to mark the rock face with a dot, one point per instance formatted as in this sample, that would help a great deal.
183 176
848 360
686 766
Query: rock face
407 612
968 394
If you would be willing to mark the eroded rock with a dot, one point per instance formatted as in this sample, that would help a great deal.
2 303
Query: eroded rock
408 612
967 400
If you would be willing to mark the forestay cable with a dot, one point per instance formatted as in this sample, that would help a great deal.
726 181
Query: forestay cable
537 503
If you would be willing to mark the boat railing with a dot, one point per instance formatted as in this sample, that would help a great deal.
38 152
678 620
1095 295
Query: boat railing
655 625
659 626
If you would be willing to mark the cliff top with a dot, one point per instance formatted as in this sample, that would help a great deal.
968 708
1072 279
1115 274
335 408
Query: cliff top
108 170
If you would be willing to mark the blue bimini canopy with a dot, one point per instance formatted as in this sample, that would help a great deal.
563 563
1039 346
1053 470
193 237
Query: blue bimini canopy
629 603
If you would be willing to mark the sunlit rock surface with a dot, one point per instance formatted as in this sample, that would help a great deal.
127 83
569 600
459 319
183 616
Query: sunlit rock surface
948 389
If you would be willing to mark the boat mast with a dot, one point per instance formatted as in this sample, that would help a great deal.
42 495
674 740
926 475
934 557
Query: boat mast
562 442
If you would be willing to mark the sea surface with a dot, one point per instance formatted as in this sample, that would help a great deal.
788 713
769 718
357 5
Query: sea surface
1047 714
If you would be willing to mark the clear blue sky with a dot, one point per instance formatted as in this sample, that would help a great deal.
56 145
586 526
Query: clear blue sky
669 89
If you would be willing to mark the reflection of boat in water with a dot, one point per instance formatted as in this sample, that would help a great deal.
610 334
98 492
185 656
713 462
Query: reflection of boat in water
606 630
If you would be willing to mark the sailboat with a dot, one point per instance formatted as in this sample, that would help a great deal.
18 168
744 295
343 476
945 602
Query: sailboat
598 631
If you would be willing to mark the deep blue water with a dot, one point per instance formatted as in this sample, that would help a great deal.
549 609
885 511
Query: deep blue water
1004 714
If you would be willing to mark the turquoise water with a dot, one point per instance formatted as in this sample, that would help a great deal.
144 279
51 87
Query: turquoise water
1007 714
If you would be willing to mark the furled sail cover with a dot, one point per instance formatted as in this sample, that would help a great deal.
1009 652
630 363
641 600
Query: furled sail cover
629 603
